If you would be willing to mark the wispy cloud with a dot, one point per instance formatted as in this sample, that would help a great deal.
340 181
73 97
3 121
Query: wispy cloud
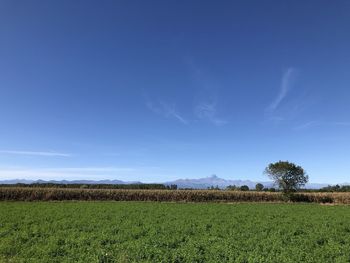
307 125
91 169
341 123
81 173
205 99
36 153
166 110
206 95
208 111
312 124
286 85
68 173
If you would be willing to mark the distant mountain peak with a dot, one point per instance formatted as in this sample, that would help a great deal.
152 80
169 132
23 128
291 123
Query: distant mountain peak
214 180
199 183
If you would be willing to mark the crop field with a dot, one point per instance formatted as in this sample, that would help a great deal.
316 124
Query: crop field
58 194
173 232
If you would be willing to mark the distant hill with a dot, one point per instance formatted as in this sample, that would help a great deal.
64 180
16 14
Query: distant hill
17 181
315 186
88 182
204 183
201 183
23 181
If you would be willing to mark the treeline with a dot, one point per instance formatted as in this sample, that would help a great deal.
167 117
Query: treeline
163 195
258 187
94 186
335 188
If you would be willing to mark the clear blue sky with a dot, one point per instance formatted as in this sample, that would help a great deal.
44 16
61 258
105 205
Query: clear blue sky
159 90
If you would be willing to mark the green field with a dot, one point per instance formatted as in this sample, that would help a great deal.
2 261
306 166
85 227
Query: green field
173 232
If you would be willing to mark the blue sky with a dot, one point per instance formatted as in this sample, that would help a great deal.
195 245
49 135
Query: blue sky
160 90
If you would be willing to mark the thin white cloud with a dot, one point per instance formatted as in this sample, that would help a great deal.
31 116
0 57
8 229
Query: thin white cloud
286 85
36 153
341 123
125 174
91 169
312 124
208 111
166 110
69 173
307 125
206 95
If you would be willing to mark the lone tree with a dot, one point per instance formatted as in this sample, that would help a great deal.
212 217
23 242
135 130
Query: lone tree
259 187
244 188
288 176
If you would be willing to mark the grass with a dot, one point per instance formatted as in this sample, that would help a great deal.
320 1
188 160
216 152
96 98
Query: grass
173 232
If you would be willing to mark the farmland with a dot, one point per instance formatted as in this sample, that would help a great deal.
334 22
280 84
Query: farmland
62 194
173 232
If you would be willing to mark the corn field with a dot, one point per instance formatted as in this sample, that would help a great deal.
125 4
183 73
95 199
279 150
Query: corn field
57 194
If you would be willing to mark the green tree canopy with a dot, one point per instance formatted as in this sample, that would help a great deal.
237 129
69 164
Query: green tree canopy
244 188
259 187
288 176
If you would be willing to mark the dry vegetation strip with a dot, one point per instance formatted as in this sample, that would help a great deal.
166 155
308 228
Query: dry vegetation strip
49 194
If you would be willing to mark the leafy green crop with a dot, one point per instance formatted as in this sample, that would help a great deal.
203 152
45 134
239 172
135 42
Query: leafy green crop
172 232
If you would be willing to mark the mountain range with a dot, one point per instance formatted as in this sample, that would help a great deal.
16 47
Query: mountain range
201 183
26 181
